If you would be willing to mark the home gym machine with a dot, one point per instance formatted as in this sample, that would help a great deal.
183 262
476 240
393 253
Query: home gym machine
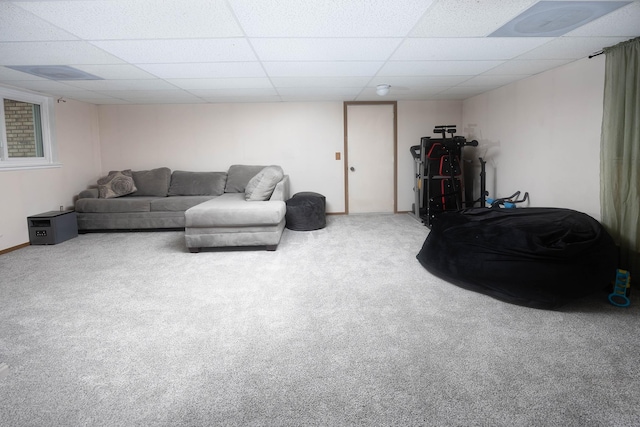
438 174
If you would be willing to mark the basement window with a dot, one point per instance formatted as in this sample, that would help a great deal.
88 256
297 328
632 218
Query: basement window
26 137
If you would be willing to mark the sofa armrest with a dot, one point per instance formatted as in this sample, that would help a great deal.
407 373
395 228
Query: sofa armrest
90 193
281 192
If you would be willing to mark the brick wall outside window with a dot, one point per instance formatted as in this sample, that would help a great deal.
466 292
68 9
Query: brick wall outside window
21 139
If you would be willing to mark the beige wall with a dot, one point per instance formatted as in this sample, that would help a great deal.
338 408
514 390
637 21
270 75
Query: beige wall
542 135
301 137
29 192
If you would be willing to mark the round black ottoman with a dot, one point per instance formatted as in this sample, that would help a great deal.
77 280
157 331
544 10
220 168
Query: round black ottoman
306 211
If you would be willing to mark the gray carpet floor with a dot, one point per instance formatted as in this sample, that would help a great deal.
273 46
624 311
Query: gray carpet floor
339 326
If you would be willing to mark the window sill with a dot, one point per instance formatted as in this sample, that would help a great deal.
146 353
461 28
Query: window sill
15 167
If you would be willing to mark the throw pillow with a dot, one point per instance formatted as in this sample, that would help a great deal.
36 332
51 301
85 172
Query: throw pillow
238 177
154 182
116 184
197 183
261 186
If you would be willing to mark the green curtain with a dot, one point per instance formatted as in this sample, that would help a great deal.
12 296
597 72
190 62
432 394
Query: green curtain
620 151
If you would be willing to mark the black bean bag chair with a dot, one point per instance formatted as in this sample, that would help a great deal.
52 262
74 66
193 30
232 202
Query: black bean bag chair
534 257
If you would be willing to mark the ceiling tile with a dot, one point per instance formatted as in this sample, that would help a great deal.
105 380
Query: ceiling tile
233 99
17 24
116 85
8 74
205 71
571 47
113 20
174 51
228 83
436 68
330 18
490 81
317 92
322 69
324 49
54 53
42 85
624 22
316 82
418 83
467 18
213 93
116 72
527 67
465 49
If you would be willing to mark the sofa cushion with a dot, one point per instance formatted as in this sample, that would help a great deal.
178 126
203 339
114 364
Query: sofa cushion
260 187
119 205
177 203
154 182
238 177
197 183
116 184
232 210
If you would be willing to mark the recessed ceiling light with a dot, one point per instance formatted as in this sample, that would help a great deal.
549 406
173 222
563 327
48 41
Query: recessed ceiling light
55 72
555 18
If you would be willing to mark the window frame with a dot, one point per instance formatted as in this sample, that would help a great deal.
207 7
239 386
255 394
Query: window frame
49 148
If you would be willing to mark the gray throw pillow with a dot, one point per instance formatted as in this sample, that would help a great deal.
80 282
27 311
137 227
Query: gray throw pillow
116 184
197 183
154 182
238 177
261 186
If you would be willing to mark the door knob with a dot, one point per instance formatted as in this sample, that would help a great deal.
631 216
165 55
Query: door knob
352 169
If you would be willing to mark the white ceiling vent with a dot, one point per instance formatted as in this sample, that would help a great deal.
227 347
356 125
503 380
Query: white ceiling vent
555 18
55 72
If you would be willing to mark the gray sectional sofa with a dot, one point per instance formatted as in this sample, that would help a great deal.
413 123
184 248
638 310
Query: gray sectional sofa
244 206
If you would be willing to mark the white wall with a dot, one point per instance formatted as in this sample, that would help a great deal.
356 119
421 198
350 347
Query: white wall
542 135
29 192
301 137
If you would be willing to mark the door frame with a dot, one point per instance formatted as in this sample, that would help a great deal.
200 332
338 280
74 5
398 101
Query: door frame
346 104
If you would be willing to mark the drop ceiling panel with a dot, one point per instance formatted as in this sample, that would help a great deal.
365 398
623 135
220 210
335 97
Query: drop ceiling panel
324 49
54 53
114 20
203 71
465 49
229 83
232 99
467 18
154 95
331 18
321 69
176 51
571 47
437 68
491 81
243 50
116 72
8 75
419 83
527 67
117 85
42 85
316 82
623 22
17 24
226 92
316 92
